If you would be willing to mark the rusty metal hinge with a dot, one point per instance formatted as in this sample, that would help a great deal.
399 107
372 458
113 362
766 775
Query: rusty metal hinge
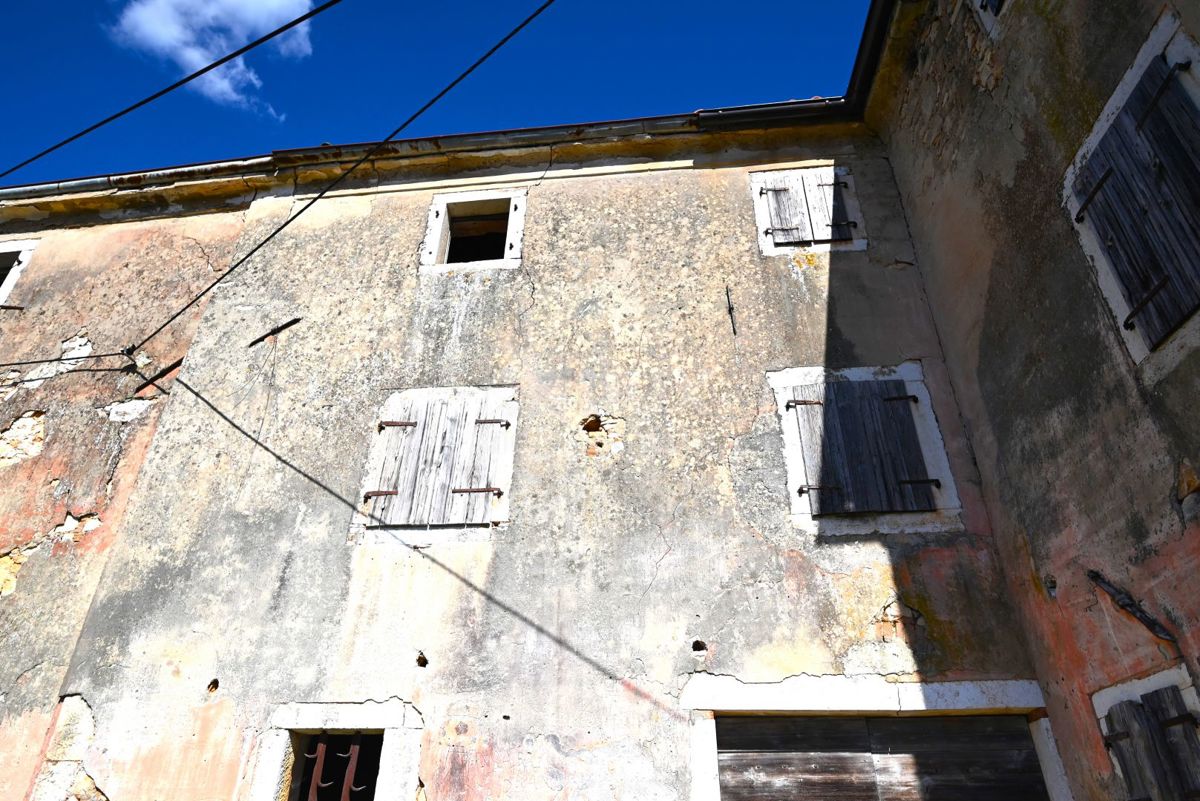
378 494
396 424
1141 305
493 422
907 482
792 404
804 489
1091 195
912 398
493 490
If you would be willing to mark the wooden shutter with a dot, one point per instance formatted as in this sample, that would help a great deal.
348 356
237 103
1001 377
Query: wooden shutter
806 206
1155 745
787 208
860 448
445 458
1140 191
972 758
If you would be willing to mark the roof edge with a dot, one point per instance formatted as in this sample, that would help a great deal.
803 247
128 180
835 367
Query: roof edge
821 110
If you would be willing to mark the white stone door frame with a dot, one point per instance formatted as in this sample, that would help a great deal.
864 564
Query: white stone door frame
706 696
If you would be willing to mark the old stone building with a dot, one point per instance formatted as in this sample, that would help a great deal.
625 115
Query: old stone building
839 448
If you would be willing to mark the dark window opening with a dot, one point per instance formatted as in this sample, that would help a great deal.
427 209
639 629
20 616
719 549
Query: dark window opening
994 6
979 757
478 230
333 767
7 262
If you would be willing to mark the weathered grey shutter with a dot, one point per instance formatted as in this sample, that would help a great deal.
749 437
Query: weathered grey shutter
861 450
1140 191
824 190
445 458
1155 745
787 208
1178 728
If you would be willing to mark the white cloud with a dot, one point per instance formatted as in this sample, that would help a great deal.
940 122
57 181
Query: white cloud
193 33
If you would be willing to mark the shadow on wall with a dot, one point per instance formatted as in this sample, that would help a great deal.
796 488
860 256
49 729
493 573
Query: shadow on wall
882 446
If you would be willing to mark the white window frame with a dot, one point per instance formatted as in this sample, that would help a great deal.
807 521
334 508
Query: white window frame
706 695
25 248
762 216
437 231
948 514
399 761
1167 35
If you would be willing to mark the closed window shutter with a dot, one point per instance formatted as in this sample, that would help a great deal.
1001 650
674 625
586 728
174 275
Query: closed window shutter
1140 191
787 208
446 458
860 448
1156 747
824 191
1177 725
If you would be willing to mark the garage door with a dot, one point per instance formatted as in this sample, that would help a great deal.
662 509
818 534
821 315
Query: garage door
975 758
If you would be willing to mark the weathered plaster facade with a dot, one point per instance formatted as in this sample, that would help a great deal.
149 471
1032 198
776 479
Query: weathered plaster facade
1088 461
180 561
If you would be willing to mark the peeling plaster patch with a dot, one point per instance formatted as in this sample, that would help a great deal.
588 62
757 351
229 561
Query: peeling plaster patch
23 439
602 434
127 411
72 528
10 566
63 776
74 350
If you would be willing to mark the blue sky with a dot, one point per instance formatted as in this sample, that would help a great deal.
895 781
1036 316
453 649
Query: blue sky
365 65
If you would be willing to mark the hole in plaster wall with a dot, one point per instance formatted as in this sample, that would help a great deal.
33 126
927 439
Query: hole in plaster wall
506 717
699 646
421 660
1051 584
214 685
601 434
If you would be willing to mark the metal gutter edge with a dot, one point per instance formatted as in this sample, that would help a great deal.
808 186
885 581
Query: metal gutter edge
870 52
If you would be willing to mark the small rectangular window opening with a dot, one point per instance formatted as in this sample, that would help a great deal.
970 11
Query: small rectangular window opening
478 230
7 262
332 767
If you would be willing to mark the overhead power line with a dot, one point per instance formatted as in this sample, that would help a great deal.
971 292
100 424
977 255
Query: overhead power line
181 82
129 351
361 161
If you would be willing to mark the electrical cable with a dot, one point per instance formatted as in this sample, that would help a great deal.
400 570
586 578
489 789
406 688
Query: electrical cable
131 349
181 82
336 181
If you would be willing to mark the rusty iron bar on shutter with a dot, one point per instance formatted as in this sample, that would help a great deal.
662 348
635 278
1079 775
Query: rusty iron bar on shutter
314 784
12 308
912 398
804 489
936 482
1141 305
770 231
493 490
1125 601
348 779
1091 195
1181 66
842 184
792 404
396 424
379 494
1186 717
493 422
762 190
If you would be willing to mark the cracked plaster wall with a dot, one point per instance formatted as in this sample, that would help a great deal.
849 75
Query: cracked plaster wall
65 489
1086 462
556 648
